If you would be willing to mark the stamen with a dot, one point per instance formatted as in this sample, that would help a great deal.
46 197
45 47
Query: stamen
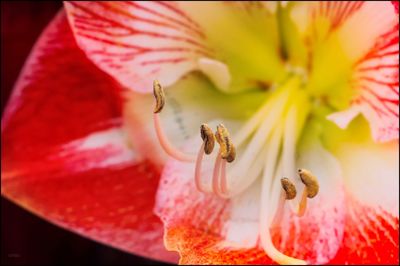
227 149
265 218
159 95
310 181
165 144
310 190
290 189
289 194
206 148
275 254
208 138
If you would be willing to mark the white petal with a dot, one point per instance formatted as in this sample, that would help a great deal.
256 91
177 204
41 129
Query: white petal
371 172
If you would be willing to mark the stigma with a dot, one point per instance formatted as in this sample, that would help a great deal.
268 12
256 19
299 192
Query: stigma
263 146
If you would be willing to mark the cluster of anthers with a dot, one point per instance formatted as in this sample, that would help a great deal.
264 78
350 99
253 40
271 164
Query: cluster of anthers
227 154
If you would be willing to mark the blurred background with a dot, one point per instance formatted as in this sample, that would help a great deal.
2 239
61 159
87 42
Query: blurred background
26 239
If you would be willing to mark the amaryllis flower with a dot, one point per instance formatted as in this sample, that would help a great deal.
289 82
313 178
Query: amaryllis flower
271 137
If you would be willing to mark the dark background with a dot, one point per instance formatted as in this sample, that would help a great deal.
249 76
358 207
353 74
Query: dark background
25 238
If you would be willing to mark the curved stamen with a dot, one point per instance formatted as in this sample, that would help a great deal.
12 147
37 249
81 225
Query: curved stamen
159 95
265 218
206 148
310 181
289 193
165 144
275 254
227 153
311 188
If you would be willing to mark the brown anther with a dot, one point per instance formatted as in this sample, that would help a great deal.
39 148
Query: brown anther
159 95
208 138
227 149
232 154
310 181
289 188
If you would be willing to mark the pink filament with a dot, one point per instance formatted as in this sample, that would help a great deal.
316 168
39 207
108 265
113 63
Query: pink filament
223 182
216 175
168 148
299 210
197 170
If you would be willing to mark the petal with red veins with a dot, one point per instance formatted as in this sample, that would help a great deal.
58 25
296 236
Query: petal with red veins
375 78
368 36
137 42
306 15
65 156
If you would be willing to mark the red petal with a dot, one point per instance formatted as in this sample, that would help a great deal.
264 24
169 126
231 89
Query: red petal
371 236
59 99
137 42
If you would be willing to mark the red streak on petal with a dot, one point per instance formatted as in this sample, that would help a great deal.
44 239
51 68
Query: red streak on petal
196 29
371 237
131 30
171 7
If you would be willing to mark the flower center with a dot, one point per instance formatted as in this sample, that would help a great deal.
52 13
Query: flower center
264 146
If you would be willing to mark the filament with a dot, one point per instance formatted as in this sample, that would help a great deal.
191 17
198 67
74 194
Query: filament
197 170
167 146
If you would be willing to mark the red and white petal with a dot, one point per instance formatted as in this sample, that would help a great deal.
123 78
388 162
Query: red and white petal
368 35
371 175
65 156
205 229
361 31
376 81
137 42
